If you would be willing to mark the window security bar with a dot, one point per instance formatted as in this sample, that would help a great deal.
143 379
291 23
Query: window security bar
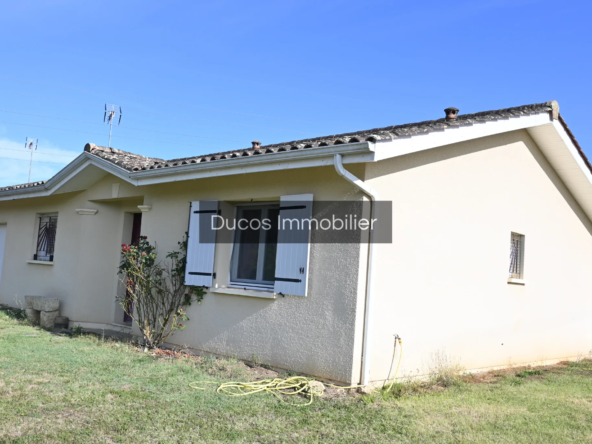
46 237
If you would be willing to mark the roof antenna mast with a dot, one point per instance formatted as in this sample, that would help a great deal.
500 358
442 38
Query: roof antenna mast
31 144
111 113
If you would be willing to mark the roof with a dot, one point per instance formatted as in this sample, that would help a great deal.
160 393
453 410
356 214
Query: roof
134 162
24 185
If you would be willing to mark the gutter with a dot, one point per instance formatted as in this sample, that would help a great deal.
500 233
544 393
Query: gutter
338 162
309 157
253 163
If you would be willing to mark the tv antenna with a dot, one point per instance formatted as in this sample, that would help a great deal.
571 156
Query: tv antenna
31 144
112 112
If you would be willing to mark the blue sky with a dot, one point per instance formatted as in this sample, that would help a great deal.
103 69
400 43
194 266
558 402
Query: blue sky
199 77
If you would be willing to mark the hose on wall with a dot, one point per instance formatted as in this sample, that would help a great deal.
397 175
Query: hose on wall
397 339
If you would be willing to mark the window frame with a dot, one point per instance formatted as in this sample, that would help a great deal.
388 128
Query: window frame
520 259
258 284
38 218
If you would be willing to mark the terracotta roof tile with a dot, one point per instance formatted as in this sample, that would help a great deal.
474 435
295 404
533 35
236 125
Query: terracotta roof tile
24 185
135 162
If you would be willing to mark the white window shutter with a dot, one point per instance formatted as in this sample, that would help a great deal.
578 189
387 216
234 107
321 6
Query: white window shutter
293 247
201 246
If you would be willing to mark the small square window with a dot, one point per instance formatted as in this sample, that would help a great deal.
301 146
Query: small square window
46 237
516 256
255 246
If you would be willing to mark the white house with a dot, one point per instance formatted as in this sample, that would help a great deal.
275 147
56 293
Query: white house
489 260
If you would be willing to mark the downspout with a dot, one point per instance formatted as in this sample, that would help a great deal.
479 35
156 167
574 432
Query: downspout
337 161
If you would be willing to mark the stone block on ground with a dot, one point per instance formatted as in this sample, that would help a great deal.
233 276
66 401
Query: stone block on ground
62 322
47 318
46 304
29 301
33 316
316 388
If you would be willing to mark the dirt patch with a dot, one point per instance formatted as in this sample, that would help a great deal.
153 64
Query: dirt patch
524 372
164 353
338 393
262 372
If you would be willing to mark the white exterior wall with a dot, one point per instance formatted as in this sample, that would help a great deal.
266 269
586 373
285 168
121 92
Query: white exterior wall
84 272
315 334
442 284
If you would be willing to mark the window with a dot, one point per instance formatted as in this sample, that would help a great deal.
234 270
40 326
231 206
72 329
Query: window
255 246
46 237
263 256
516 256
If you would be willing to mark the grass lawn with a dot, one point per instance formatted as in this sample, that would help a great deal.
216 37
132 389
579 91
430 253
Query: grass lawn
83 389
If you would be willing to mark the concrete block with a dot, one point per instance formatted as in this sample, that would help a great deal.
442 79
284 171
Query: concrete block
33 316
29 301
46 304
62 322
47 318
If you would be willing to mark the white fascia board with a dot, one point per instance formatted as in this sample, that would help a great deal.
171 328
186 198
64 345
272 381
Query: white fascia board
306 158
63 176
23 193
574 154
111 168
386 149
73 166
564 157
549 135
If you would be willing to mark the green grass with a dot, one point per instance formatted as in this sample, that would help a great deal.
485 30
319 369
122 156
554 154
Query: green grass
83 389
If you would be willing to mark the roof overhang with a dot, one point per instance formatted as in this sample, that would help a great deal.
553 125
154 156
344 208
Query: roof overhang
560 150
549 133
87 169
311 157
386 149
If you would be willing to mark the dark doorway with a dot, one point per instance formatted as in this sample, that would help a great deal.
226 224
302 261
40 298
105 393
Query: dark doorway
136 228
136 232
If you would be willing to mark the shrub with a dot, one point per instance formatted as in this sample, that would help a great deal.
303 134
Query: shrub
156 294
445 370
18 314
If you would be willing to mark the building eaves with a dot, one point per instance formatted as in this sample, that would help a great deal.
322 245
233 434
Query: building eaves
29 185
133 162
575 142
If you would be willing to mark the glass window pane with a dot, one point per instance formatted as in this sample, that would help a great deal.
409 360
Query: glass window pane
248 253
46 237
516 256
271 246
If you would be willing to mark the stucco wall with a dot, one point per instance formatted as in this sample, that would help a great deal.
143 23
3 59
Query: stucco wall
83 274
442 284
314 334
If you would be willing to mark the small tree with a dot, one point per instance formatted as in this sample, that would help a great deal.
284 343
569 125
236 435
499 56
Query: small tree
156 294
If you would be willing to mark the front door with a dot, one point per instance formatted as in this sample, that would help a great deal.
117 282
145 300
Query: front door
2 245
136 232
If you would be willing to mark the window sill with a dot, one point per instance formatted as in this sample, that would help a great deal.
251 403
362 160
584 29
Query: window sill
40 262
516 281
243 292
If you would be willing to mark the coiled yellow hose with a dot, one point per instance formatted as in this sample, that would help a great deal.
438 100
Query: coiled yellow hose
279 387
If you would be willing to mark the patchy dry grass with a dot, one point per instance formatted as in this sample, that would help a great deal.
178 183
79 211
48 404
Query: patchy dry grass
56 389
